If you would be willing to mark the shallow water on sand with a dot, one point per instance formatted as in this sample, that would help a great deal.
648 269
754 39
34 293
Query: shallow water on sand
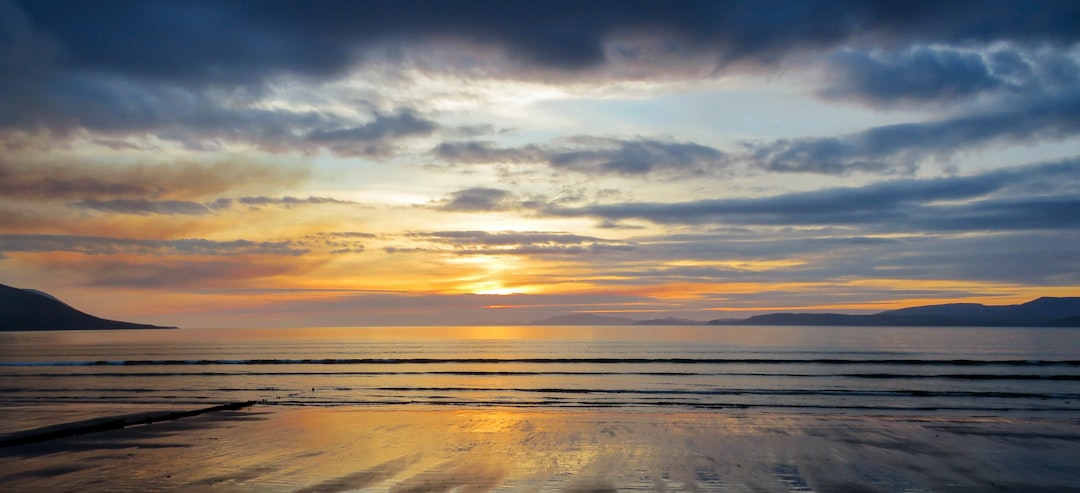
320 449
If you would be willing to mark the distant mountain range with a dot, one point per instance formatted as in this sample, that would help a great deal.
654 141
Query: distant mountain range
1042 312
1058 312
30 309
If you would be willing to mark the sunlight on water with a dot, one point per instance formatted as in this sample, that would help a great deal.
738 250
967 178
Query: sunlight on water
795 369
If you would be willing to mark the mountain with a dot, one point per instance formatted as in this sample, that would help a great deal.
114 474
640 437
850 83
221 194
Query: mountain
584 319
28 309
1040 311
1059 312
840 319
1073 321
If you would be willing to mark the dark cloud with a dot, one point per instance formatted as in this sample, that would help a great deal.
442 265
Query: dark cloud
288 201
23 182
479 200
595 155
374 139
1005 214
147 67
101 245
964 203
94 181
1048 258
485 152
236 42
636 157
121 109
188 71
919 74
144 207
900 147
608 224
810 257
173 273
510 243
924 74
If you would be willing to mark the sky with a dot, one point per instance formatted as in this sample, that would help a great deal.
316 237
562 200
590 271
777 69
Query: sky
229 163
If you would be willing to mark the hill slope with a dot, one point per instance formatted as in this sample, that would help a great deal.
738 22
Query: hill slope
24 309
1040 312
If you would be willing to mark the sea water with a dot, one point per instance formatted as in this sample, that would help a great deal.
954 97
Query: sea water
821 370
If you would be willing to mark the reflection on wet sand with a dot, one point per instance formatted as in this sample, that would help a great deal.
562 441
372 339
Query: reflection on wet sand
329 450
360 479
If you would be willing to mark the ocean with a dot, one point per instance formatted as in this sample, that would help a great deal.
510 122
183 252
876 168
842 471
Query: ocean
819 370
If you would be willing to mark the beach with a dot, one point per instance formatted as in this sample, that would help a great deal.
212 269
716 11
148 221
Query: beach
447 409
336 449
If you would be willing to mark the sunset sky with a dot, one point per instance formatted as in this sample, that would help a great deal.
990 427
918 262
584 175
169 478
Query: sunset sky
269 163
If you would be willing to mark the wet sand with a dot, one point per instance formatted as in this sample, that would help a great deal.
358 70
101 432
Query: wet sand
320 449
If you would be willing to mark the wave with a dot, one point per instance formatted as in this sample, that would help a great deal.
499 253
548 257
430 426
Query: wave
668 404
650 392
470 373
540 361
736 392
554 402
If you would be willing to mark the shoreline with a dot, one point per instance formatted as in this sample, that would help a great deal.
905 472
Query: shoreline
65 430
336 449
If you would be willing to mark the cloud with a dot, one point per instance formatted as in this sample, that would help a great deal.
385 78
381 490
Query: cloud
66 183
1005 214
595 155
198 73
636 157
374 139
916 74
60 180
121 111
829 258
136 66
338 243
101 245
286 201
962 203
1048 258
234 42
485 152
946 75
343 234
478 199
509 243
144 207
889 149
176 273
899 148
